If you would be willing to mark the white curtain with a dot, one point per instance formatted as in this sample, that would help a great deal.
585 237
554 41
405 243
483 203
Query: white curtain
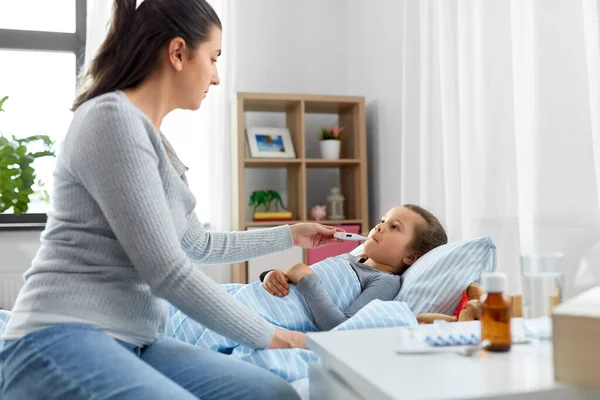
501 126
201 138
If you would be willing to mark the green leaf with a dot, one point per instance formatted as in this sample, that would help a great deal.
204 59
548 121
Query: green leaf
43 138
2 100
10 147
42 154
17 175
8 160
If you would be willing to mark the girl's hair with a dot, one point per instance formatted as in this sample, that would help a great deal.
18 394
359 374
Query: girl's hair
430 235
131 49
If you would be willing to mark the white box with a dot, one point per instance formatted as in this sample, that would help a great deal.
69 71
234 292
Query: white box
576 336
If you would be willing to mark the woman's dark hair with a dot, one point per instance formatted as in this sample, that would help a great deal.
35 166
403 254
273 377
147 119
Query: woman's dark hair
429 235
130 51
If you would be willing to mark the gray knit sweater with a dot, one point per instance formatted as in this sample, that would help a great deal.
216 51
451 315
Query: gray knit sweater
123 236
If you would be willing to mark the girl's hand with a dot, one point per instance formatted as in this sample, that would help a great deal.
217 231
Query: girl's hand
310 234
276 283
287 340
298 272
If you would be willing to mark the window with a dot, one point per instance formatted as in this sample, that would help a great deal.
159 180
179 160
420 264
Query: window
49 16
41 55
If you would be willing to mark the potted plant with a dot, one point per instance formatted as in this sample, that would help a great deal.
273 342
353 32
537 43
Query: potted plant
17 176
331 139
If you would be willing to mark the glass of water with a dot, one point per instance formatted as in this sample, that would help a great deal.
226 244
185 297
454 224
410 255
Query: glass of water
543 280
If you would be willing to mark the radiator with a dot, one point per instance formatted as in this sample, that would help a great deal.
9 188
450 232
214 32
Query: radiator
10 284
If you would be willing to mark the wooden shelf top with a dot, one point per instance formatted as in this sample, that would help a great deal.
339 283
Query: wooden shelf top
277 102
269 105
339 221
250 224
310 162
321 163
253 224
271 162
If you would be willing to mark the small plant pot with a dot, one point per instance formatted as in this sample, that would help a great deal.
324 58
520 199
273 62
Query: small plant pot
330 149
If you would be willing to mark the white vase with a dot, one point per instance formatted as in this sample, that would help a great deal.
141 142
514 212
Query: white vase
330 149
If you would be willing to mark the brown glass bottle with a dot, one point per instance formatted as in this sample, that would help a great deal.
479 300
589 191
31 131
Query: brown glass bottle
496 313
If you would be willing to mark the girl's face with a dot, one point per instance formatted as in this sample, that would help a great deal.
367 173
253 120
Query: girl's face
390 242
199 71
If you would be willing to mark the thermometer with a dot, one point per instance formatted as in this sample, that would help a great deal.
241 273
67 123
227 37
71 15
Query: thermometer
349 236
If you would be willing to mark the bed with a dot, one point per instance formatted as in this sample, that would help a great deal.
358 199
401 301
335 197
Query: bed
435 283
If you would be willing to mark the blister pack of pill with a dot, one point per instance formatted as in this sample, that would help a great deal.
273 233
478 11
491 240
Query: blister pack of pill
452 339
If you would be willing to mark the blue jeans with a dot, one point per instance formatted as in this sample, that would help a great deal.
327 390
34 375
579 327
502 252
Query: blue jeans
74 361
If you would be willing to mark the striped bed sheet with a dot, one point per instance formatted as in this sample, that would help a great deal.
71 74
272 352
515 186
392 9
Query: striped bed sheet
291 312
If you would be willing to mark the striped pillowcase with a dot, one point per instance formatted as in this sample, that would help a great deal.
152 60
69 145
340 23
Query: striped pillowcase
434 284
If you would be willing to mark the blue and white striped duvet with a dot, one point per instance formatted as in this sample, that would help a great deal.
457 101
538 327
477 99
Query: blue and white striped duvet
291 312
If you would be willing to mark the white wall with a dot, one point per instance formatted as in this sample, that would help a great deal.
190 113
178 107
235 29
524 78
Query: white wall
375 71
292 47
17 249
280 46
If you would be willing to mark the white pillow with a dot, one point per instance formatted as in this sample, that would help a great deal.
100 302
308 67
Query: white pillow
435 283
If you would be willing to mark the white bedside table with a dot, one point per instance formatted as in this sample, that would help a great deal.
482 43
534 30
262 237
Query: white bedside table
363 364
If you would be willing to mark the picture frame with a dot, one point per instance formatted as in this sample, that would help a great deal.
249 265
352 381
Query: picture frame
268 142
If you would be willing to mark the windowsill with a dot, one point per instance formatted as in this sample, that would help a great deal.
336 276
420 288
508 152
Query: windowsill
34 222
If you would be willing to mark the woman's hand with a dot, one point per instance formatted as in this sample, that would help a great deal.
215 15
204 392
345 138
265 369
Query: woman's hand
298 272
310 234
287 340
276 283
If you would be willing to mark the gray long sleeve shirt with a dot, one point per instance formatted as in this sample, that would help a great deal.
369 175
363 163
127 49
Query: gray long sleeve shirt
374 284
122 237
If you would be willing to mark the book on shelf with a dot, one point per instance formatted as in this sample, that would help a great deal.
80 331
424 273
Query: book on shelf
273 216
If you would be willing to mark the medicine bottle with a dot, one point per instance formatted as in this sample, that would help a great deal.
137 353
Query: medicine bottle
496 312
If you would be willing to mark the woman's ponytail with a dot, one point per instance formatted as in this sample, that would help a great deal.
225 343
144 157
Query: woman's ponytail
131 49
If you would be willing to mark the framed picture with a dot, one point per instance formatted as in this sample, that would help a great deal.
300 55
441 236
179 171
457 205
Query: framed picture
270 143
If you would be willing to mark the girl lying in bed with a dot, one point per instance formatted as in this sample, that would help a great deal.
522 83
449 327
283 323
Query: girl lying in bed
319 292
403 235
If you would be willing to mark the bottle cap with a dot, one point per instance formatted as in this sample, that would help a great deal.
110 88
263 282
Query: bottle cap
494 282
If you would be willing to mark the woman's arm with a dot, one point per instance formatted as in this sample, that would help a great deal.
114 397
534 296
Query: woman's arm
207 247
115 158
326 314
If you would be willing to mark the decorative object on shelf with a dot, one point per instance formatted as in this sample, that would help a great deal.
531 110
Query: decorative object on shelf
318 212
270 142
335 204
264 198
331 140
17 176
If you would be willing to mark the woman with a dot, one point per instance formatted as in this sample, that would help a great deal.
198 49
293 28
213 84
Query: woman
90 318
